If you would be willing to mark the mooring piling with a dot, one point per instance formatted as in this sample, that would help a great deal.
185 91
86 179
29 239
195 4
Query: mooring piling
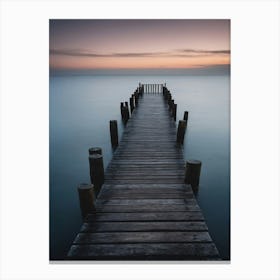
186 116
86 198
96 171
114 133
174 112
95 150
192 174
181 131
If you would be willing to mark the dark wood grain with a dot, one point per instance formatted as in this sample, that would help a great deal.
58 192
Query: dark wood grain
145 251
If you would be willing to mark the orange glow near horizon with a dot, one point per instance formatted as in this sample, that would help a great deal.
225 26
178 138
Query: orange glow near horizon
138 44
142 63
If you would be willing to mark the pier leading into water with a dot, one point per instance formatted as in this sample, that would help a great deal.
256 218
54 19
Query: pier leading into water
143 208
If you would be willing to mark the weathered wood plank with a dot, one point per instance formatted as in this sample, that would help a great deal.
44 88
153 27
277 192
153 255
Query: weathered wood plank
146 251
147 181
191 206
142 237
143 201
144 191
146 216
147 187
134 196
143 226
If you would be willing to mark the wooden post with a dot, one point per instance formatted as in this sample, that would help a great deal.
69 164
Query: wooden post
169 98
131 103
174 112
87 198
181 131
95 150
114 133
122 105
127 111
126 114
96 171
136 97
192 174
171 104
186 116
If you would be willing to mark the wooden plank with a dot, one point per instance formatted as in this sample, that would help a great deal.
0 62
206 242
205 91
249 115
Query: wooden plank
143 180
147 187
143 226
146 251
132 192
148 208
143 201
138 196
146 216
142 237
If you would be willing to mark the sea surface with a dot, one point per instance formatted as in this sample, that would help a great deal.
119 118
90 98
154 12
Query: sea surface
81 107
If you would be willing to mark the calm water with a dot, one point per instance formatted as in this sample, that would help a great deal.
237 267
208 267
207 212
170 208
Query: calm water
80 110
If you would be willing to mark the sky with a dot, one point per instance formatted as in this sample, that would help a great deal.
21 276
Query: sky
139 44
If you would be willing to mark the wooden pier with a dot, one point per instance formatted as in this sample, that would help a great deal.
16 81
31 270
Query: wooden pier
144 210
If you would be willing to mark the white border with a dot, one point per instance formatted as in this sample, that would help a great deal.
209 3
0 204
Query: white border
255 138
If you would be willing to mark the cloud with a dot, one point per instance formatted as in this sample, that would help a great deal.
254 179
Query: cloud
174 53
82 53
204 51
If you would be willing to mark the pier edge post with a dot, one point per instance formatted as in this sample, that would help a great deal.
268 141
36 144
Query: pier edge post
181 131
192 173
114 133
86 198
95 150
186 116
174 112
131 103
96 171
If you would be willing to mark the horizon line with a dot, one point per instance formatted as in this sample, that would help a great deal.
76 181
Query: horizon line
208 70
195 67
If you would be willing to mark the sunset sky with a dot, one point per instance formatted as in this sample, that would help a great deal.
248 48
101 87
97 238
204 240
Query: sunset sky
138 44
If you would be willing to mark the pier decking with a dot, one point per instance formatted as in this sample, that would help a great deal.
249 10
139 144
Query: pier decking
144 210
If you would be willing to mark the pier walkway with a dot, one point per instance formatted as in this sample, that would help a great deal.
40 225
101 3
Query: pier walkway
144 210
